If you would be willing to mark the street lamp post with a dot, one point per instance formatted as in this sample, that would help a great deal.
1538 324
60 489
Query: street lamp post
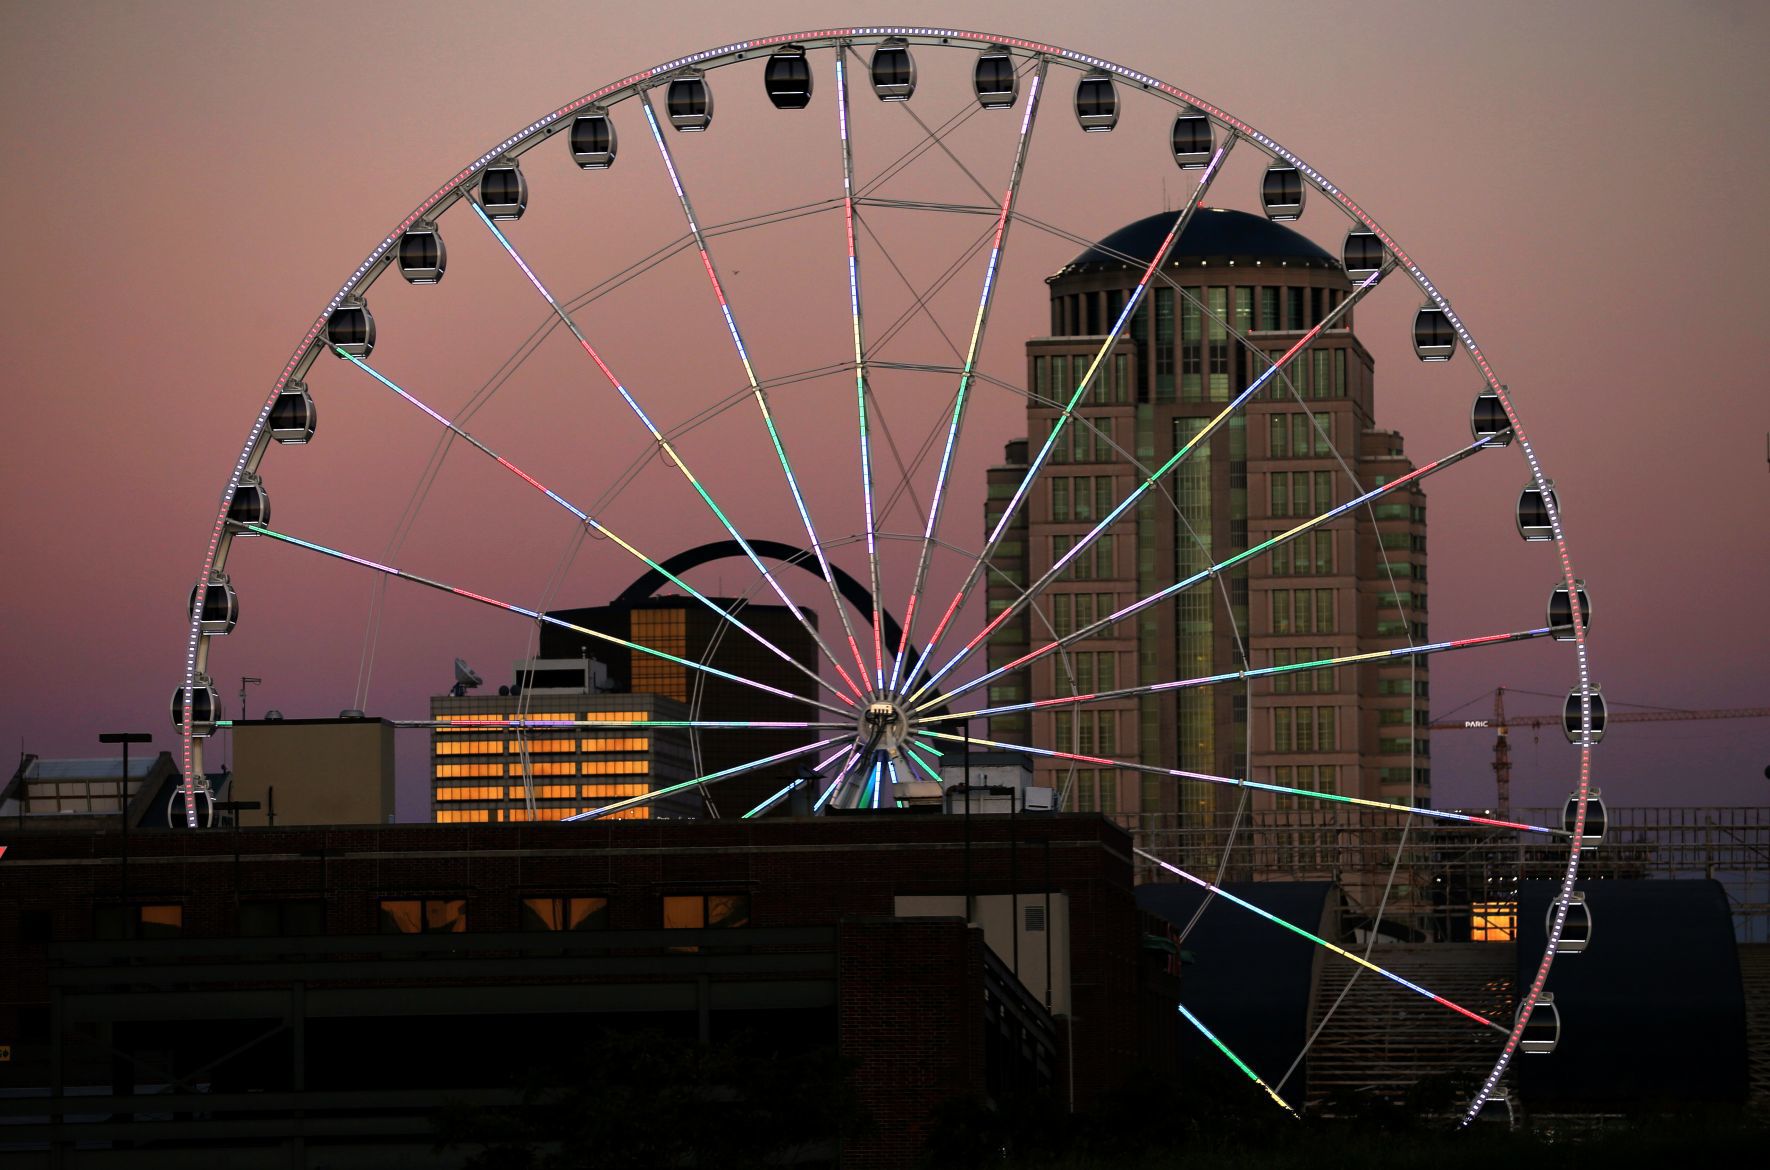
125 738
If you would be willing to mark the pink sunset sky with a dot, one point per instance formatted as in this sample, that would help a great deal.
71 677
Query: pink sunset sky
189 184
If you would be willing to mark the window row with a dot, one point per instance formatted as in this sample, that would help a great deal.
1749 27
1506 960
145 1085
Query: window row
1300 493
1083 440
1077 611
542 791
1084 498
594 743
1298 436
1323 680
1308 555
1088 732
1056 376
545 768
1096 561
1304 611
1087 671
1305 729
482 816
1093 790
296 917
1313 374
1309 777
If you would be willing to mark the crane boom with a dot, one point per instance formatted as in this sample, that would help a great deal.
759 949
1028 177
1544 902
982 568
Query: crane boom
1502 751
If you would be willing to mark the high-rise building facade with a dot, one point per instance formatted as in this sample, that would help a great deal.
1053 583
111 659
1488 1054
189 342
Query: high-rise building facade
686 628
490 764
1249 289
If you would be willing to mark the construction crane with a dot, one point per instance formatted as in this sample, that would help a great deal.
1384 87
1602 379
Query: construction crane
1500 724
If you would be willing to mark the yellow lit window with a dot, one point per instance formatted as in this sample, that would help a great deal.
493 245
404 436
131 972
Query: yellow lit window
641 813
471 793
423 916
547 792
1493 922
592 791
464 771
468 747
615 768
467 722
618 743
710 911
560 716
445 816
664 630
546 745
564 913
547 768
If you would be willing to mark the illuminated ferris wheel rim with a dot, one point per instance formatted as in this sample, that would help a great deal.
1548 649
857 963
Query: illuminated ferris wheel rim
636 85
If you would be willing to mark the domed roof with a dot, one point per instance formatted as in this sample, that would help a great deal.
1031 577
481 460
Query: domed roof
1215 233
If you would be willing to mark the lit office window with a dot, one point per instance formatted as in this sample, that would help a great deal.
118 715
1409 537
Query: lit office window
423 916
1493 922
564 913
706 911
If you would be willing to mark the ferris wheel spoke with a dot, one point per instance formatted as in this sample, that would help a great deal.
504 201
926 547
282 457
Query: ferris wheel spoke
1083 544
593 524
521 724
1220 892
756 390
1255 785
1234 1059
535 615
795 784
1094 629
701 781
985 301
667 448
1156 688
861 379
1038 462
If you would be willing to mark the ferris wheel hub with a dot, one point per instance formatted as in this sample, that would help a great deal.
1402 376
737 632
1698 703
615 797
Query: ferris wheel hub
886 723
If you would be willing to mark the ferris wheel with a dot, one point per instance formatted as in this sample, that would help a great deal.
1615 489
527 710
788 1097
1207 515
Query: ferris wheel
799 331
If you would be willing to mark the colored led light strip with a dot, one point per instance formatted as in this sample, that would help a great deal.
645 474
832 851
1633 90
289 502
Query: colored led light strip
846 755
522 611
761 399
966 376
709 778
1100 356
589 521
1238 675
1186 449
1166 592
915 757
860 361
600 724
663 443
773 800
1232 782
1220 892
1234 1059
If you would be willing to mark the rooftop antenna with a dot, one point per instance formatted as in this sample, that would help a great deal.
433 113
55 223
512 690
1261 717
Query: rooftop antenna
466 678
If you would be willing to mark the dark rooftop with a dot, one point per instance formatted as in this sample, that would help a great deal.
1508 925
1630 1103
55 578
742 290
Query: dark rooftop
1215 233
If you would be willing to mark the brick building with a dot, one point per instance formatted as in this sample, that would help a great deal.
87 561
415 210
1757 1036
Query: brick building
309 996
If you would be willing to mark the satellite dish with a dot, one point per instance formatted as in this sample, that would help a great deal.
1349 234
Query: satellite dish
465 679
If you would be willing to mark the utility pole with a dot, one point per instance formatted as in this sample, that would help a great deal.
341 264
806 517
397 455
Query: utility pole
125 738
1502 755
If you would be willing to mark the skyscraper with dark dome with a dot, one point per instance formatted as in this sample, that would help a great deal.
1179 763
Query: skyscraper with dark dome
1239 292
